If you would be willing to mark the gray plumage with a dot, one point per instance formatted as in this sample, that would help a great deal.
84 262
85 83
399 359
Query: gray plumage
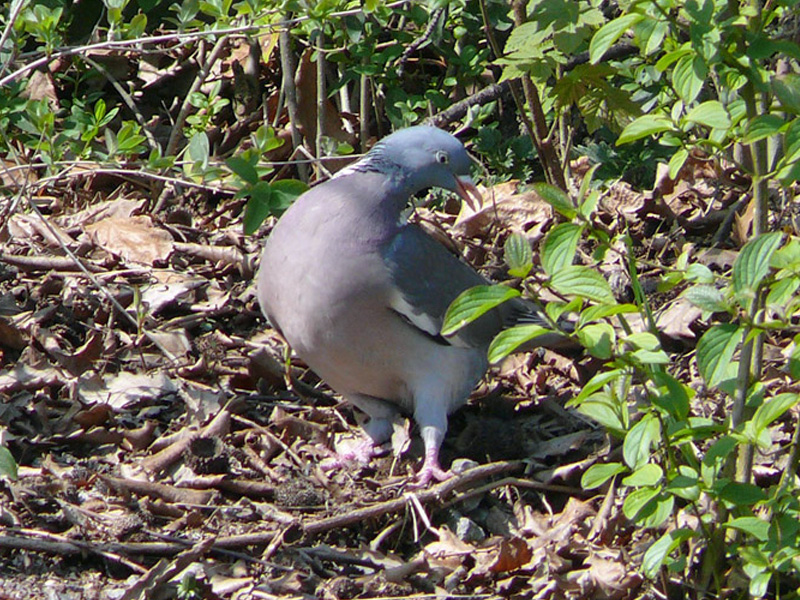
361 295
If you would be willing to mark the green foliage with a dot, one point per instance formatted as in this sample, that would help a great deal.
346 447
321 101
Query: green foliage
673 460
8 466
264 198
189 588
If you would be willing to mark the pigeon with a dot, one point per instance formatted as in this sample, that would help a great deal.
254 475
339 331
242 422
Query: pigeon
360 294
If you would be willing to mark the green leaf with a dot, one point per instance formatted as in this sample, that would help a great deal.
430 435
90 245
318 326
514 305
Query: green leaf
8 466
759 584
556 198
788 256
601 311
577 280
761 127
758 528
518 254
473 303
650 34
752 264
199 148
643 340
597 382
688 77
597 475
589 205
711 114
284 193
787 89
646 475
639 441
584 190
772 409
719 450
685 484
707 298
644 126
605 410
509 340
742 494
258 207
715 351
638 500
656 555
244 169
699 273
610 33
672 57
649 357
677 161
782 292
598 339
794 359
792 141
676 398
656 513
558 248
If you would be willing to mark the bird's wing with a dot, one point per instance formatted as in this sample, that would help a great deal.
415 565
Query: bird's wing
426 278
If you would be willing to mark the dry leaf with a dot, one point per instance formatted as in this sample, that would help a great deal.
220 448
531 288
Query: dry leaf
677 320
134 239
507 208
119 391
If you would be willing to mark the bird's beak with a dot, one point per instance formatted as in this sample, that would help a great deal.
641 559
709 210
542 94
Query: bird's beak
469 193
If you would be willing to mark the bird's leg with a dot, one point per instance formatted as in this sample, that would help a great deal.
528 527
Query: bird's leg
433 424
377 430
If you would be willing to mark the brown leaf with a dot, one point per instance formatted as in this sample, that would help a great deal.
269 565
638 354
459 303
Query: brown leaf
401 435
33 228
118 391
40 87
508 207
622 199
676 321
512 554
611 575
306 84
134 239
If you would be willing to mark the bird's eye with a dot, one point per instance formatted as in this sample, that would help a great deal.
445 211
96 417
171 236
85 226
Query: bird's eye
442 158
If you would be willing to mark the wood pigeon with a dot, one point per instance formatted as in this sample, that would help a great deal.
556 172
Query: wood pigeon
360 294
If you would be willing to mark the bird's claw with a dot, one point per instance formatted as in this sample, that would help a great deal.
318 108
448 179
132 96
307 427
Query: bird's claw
361 452
431 471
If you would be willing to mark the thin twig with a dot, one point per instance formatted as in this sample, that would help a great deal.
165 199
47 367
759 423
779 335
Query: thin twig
400 65
181 38
321 91
432 494
16 8
290 94
177 126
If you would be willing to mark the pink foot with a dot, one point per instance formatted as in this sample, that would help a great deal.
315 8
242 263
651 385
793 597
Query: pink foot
361 451
431 470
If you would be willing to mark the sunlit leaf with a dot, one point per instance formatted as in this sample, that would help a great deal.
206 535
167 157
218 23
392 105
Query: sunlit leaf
473 303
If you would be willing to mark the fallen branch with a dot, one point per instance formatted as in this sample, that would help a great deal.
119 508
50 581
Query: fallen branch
22 539
432 494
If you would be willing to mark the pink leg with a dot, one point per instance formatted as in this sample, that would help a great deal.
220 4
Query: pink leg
432 437
431 470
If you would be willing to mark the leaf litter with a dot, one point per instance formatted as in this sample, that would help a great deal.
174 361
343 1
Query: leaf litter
142 470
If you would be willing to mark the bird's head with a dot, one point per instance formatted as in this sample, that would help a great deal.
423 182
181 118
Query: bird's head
425 157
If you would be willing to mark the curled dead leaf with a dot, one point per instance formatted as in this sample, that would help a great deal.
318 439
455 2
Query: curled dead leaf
134 239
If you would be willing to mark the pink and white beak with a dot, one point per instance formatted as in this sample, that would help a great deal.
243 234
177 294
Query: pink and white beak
466 188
